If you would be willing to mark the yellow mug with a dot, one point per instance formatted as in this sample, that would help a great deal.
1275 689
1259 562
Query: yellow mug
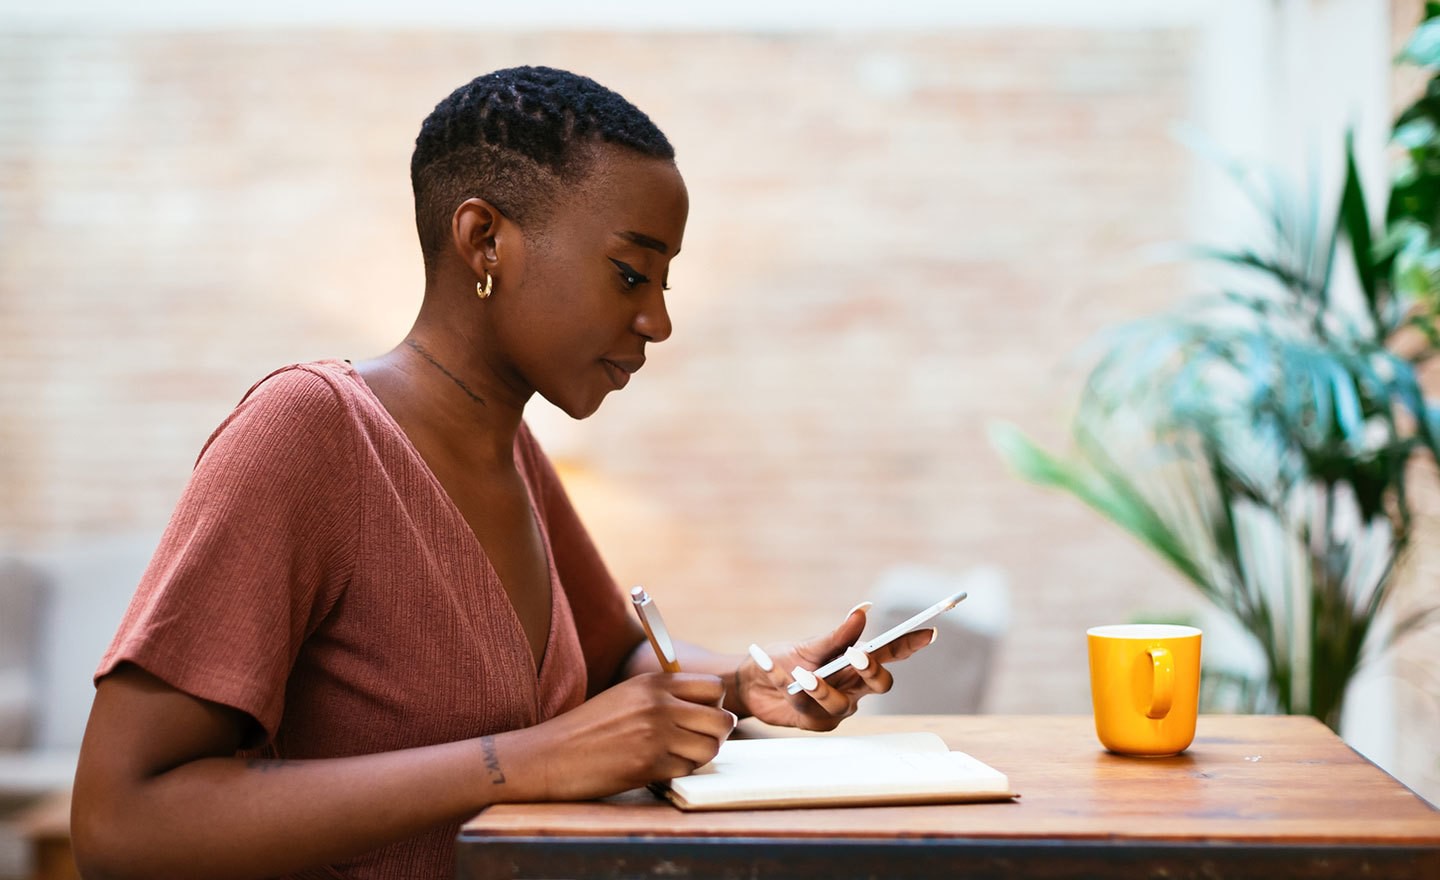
1145 687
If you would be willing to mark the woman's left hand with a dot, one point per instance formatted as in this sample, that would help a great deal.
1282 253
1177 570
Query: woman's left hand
823 706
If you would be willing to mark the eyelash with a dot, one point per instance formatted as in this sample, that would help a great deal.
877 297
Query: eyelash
630 277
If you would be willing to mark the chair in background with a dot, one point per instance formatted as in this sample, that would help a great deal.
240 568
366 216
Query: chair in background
22 592
58 611
953 674
22 779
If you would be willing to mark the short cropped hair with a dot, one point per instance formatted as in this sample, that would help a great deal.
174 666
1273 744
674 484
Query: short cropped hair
516 138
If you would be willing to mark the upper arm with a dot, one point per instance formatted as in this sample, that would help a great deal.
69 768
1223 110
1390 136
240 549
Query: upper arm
256 554
139 728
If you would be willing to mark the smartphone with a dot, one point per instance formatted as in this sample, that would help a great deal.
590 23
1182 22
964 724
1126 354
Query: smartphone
888 636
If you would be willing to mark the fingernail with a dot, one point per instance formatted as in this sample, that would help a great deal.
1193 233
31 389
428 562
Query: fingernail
734 719
761 658
858 658
807 679
934 634
863 606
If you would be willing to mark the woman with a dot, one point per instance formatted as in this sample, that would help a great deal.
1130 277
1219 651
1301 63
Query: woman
374 611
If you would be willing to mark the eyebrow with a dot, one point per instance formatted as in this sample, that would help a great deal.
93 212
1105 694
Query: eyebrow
645 241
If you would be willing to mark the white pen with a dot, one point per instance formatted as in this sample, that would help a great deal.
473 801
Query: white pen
884 638
655 631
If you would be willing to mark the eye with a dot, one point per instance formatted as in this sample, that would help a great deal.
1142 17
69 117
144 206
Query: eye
628 275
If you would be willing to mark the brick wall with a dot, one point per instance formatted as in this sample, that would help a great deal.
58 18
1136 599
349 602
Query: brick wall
893 239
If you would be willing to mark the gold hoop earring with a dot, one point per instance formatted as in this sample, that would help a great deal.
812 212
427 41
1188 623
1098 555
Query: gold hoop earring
483 290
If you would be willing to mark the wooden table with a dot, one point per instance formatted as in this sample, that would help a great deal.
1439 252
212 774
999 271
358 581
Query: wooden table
1254 796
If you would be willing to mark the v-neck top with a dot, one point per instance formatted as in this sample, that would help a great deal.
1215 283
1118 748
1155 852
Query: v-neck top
316 576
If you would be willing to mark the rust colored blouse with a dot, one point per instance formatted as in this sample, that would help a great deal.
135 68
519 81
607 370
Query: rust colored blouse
317 577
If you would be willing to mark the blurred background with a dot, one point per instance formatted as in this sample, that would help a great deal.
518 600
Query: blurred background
907 219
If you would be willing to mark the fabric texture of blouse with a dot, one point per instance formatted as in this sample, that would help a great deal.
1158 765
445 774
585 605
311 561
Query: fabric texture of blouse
316 577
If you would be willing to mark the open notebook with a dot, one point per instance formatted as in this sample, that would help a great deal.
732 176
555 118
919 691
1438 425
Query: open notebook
823 771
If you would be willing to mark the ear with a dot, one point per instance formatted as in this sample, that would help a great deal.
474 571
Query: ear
478 229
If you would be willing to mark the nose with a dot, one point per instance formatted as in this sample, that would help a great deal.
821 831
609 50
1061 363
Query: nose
653 319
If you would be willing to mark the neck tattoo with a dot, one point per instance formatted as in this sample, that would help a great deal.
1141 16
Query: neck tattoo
420 350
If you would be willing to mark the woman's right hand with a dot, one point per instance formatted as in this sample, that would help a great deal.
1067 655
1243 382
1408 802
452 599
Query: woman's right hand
648 728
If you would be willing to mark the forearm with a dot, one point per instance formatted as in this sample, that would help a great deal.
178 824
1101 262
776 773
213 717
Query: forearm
159 794
233 818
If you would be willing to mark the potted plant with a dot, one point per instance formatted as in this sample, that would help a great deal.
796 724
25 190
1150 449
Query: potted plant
1260 439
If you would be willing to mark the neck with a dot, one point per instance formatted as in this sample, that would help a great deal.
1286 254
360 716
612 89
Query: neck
429 391
421 350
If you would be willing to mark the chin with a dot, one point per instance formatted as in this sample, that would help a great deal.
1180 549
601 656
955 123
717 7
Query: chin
578 409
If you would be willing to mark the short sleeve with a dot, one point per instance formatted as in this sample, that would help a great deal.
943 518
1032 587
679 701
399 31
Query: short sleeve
605 624
259 548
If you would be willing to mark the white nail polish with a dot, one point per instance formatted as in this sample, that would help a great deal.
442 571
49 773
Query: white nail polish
761 658
863 606
934 634
858 658
807 679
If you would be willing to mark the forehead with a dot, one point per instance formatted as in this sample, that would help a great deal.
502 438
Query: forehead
626 192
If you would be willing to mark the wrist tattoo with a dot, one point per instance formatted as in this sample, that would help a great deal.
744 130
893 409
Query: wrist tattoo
492 760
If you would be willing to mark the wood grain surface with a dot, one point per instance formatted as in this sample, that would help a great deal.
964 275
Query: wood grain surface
1246 779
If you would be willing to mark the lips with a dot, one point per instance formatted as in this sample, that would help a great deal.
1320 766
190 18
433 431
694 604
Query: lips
620 370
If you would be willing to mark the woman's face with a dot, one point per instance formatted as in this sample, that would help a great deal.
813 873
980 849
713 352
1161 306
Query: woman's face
590 288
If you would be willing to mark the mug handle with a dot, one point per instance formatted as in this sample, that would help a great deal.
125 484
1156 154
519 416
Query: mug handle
1162 690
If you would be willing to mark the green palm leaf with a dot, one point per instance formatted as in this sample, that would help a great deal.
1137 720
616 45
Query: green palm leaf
1257 439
